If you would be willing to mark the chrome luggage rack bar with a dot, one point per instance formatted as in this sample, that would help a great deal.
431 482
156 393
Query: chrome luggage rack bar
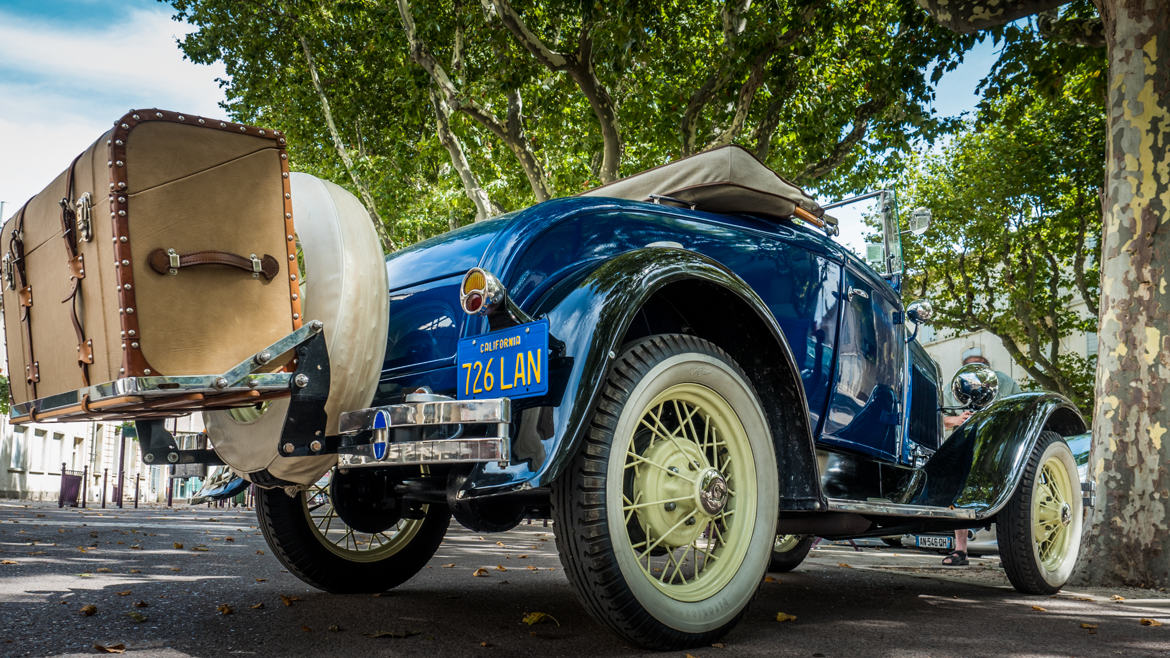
160 396
421 411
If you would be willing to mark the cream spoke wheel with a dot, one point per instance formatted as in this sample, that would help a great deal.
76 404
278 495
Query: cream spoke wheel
1039 529
666 517
343 539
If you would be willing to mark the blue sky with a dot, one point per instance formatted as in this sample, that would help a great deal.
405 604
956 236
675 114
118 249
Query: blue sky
68 68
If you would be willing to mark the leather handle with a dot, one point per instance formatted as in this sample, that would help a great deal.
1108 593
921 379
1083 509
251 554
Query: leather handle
169 261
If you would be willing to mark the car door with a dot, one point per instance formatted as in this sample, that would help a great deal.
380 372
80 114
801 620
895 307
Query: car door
864 412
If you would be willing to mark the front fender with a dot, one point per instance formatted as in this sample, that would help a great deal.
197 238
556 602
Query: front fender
982 463
591 316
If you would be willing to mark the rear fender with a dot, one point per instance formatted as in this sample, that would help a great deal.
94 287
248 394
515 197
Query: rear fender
982 463
593 316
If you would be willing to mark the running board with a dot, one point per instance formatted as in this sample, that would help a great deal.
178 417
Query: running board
879 508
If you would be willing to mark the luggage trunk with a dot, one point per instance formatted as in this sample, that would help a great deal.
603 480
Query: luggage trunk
166 249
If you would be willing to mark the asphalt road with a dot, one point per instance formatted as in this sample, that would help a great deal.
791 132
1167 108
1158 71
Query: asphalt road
156 598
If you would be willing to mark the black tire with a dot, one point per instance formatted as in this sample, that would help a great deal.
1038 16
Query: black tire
1051 489
307 553
789 551
892 542
599 541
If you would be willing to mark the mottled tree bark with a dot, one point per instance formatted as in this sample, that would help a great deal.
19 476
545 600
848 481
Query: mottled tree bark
1131 449
1129 542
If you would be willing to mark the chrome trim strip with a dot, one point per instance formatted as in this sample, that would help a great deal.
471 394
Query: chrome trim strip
414 414
874 508
442 451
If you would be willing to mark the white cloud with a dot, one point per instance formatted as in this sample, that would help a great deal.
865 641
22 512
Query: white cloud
62 85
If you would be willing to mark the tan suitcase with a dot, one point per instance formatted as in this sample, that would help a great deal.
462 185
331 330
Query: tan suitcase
166 249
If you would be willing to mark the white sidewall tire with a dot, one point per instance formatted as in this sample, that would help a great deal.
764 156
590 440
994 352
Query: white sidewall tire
722 608
346 269
1059 576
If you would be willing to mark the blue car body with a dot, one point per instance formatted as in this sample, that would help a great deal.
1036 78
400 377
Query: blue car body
854 407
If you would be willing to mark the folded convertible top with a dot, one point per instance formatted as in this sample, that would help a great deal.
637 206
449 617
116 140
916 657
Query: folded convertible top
727 179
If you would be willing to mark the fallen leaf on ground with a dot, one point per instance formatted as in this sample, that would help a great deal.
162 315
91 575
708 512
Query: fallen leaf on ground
175 569
531 618
259 552
306 629
178 546
392 634
1084 598
531 568
141 604
89 610
719 645
137 617
1039 609
260 580
1117 597
288 600
500 567
843 564
1149 622
85 575
480 572
136 571
784 616
103 570
124 592
110 648
229 538
199 549
770 579
135 547
485 644
448 565
258 606
334 628
9 562
224 609
1092 628
522 556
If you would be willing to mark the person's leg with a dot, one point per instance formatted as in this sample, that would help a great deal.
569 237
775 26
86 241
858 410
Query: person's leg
958 557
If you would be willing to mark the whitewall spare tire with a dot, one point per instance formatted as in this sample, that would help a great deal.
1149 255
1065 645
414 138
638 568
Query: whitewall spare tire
344 286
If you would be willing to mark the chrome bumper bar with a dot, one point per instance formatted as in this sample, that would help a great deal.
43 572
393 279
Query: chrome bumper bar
434 411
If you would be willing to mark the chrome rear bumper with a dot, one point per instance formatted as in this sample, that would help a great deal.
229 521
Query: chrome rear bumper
395 441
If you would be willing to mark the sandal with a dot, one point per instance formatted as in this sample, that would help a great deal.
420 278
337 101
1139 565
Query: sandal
956 559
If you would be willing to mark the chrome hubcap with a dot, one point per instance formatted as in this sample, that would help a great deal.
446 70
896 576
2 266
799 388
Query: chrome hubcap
712 491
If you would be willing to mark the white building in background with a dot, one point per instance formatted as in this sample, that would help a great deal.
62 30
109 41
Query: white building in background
947 348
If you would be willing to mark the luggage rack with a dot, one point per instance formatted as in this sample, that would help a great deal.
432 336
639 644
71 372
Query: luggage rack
156 397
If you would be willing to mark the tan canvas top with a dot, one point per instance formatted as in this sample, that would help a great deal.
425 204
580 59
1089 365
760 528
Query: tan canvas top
727 179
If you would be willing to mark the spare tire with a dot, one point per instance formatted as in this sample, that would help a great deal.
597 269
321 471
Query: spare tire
344 266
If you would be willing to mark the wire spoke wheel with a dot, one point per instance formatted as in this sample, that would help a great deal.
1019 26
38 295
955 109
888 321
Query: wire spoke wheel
667 515
688 456
342 539
1039 530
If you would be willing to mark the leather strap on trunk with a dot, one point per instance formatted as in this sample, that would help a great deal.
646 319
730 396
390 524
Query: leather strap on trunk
169 261
76 264
19 275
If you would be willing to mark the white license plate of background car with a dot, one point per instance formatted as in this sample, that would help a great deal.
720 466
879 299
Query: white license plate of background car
934 542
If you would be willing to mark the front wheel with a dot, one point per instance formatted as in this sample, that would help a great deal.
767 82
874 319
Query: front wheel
789 551
338 538
1039 531
666 518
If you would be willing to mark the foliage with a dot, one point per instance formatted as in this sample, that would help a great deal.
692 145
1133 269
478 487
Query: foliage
834 97
1016 221
5 395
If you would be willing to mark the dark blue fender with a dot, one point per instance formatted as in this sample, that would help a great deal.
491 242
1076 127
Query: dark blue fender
593 315
982 462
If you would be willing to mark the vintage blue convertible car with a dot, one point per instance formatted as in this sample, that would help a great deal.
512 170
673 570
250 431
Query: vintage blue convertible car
677 369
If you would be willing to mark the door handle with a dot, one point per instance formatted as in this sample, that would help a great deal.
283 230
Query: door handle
857 292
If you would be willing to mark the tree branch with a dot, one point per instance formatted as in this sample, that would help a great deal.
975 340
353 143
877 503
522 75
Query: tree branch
972 15
342 152
747 94
579 67
844 147
475 192
514 138
1074 31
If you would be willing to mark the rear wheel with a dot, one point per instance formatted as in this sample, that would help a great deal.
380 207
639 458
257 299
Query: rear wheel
332 539
666 518
1039 531
789 551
